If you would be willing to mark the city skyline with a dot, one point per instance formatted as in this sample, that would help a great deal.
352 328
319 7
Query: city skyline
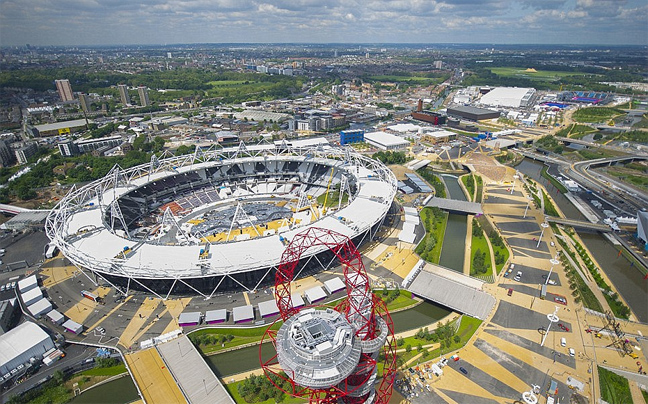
87 22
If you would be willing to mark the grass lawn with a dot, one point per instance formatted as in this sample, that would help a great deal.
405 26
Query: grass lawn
438 232
479 243
111 371
402 301
615 389
540 75
242 336
333 198
576 131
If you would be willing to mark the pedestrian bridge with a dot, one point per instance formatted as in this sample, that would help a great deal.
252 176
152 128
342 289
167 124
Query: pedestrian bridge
449 288
579 224
454 205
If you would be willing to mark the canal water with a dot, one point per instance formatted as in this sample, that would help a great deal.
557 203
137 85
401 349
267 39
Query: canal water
118 391
454 239
627 279
246 359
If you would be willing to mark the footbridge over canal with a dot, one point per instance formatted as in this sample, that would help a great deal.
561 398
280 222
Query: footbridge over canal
449 288
455 205
579 224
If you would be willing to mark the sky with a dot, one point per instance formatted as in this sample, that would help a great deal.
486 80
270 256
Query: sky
112 22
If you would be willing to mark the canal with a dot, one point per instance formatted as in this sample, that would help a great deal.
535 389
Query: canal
627 279
246 359
454 239
118 391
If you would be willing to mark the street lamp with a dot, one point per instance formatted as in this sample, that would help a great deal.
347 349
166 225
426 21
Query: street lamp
544 225
553 318
554 261
529 199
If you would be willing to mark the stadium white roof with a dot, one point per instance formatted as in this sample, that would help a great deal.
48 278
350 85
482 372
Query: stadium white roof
386 139
506 96
189 317
268 308
315 294
21 339
216 315
334 285
157 260
243 313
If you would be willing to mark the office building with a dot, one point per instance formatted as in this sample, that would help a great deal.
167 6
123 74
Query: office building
84 100
351 136
123 94
64 89
143 96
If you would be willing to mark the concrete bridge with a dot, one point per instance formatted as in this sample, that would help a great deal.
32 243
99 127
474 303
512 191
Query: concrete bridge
457 206
449 288
579 224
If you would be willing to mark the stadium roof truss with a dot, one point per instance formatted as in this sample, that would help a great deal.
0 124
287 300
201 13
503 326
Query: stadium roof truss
103 194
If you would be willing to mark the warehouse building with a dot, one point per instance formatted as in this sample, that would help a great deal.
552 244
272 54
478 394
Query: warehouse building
512 97
472 113
17 346
386 141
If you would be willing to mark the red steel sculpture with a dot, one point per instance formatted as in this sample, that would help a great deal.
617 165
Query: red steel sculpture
326 355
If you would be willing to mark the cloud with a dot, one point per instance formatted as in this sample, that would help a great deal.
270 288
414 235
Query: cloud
88 22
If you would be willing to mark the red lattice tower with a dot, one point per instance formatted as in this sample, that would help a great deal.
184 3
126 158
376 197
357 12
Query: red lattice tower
367 314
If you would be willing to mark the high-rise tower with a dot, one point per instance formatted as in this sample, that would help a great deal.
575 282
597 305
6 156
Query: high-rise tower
143 96
123 94
64 89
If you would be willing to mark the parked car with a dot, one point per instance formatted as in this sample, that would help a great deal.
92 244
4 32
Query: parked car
465 372
510 291
518 276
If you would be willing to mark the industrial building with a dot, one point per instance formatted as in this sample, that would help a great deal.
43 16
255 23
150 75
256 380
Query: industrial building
472 113
22 343
386 141
56 128
513 97
73 148
438 136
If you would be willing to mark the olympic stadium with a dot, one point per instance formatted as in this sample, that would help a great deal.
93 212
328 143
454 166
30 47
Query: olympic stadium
219 220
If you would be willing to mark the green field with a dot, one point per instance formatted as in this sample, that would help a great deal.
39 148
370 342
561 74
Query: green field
479 243
232 388
615 389
540 75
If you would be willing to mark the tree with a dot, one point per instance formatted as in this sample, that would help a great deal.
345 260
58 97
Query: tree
408 348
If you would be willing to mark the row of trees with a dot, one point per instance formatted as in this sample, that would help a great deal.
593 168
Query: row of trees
390 157
210 339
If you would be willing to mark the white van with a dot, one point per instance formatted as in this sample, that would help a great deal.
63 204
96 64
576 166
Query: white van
572 352
563 342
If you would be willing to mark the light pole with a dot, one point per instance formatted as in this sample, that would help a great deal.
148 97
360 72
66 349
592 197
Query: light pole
554 261
544 225
529 199
553 318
